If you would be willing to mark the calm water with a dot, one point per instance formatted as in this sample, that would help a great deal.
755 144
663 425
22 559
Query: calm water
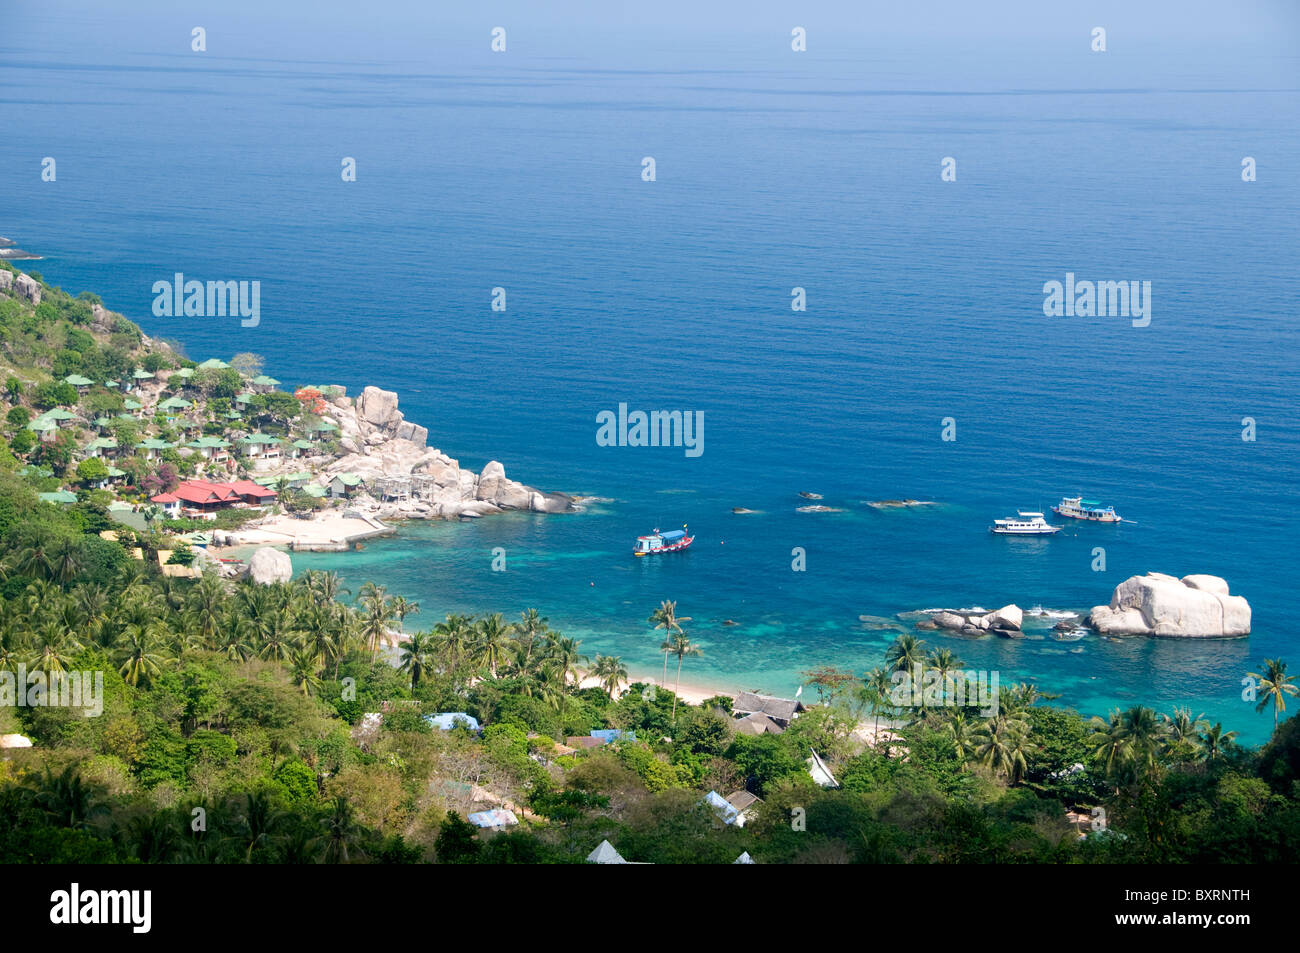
775 170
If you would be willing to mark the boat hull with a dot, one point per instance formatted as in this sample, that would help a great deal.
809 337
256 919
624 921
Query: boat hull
1087 517
672 548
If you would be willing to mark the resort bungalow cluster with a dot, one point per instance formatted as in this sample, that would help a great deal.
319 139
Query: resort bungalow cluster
229 451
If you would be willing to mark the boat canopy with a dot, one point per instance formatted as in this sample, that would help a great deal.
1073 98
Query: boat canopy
673 535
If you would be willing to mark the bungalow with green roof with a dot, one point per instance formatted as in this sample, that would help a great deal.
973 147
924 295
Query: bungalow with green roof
184 374
112 384
260 446
264 383
102 447
243 400
138 378
211 448
79 382
135 408
213 363
175 403
314 490
153 447
58 496
103 423
43 427
345 485
299 447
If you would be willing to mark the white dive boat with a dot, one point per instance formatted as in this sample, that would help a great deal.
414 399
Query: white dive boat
1024 523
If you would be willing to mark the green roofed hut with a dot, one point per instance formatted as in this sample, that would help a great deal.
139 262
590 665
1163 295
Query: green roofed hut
175 403
213 363
211 448
345 485
77 381
102 447
58 496
153 447
261 446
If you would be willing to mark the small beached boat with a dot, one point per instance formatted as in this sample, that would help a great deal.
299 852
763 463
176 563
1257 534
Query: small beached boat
657 542
1077 508
1024 523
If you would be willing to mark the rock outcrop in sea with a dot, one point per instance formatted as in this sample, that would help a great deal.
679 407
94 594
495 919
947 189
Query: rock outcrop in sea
1196 606
381 446
1005 621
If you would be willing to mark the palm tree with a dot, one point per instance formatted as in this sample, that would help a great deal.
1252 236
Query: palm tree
1129 743
1214 741
377 609
1184 733
207 607
682 647
492 639
342 833
611 672
906 653
304 662
1276 684
962 734
68 800
877 692
453 638
258 824
141 660
54 648
416 652
1001 744
65 561
402 607
666 618
564 652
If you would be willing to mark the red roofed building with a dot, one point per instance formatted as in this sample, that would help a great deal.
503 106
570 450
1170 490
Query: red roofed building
252 492
206 497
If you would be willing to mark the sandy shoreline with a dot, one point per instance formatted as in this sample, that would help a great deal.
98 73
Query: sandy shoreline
330 531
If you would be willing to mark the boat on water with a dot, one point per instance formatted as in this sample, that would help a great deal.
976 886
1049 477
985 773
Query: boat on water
670 542
1024 523
1077 508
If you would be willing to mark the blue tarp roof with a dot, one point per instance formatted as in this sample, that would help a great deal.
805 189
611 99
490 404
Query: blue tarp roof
674 534
613 734
497 818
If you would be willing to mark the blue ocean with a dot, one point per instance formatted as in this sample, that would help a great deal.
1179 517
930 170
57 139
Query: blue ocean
774 170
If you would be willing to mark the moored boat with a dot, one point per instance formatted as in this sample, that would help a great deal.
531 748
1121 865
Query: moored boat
670 542
1077 508
1024 523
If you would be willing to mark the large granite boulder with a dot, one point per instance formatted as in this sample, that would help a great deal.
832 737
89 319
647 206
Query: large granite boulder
28 287
6 280
1008 617
378 408
1197 606
270 565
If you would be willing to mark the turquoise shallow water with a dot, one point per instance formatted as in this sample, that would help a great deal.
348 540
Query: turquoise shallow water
924 299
